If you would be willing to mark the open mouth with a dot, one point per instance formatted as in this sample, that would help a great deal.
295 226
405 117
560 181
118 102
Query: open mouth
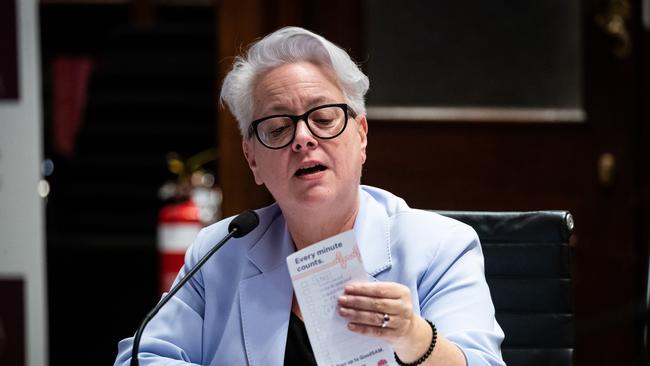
310 170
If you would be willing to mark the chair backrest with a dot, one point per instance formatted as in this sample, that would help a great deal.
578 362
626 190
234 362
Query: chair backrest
527 269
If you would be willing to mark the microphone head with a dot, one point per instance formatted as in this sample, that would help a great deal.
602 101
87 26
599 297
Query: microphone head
245 222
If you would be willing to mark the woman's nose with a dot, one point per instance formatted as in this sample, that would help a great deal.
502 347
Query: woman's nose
303 138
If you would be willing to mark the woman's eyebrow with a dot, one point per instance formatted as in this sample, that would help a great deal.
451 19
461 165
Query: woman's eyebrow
312 103
315 102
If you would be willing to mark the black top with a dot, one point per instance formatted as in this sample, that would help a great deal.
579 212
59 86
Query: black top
298 350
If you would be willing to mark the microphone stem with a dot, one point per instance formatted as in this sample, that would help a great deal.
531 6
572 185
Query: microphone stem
171 293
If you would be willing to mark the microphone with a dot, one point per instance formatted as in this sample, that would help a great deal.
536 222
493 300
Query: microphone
241 225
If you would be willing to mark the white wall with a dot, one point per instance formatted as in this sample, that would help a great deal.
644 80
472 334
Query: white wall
22 244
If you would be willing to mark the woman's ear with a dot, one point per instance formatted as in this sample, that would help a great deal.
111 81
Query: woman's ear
363 135
249 154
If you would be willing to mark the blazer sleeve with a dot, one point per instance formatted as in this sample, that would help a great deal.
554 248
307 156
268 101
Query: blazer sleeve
455 296
174 335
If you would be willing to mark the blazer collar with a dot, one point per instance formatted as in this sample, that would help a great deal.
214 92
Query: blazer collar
274 245
371 228
372 231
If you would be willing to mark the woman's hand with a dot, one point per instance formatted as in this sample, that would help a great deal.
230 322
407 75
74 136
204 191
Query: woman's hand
380 309
384 310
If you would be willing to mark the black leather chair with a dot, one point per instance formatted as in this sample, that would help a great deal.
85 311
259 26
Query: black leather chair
527 269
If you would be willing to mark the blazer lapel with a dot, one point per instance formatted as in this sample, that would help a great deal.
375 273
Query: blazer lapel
265 298
372 231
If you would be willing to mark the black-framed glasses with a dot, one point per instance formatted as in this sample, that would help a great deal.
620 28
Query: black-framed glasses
325 122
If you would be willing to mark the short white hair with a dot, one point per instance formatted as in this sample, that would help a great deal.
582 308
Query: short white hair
284 46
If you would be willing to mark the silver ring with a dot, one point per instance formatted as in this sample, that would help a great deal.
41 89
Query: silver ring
384 324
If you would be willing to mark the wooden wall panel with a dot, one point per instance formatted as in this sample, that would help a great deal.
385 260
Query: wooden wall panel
239 22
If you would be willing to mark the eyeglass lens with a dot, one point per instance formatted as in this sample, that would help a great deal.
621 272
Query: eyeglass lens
324 123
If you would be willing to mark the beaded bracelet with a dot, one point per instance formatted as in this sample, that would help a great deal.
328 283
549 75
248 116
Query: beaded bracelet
426 355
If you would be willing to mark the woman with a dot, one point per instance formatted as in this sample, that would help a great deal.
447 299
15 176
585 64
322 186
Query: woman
299 101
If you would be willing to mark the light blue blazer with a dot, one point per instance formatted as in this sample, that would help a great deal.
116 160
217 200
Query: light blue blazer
235 311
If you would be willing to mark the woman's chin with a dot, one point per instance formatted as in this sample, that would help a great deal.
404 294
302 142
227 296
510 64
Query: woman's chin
314 197
317 195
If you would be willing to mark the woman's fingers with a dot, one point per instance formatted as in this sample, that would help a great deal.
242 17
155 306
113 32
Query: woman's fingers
382 309
388 290
374 304
379 297
370 318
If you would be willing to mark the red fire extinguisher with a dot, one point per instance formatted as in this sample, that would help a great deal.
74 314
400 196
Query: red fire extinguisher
194 203
178 225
